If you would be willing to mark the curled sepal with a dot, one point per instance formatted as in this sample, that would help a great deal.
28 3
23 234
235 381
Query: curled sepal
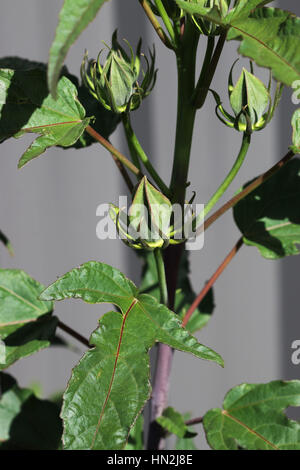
121 83
251 102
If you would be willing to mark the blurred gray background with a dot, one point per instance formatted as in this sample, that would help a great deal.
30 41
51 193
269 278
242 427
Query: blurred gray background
48 209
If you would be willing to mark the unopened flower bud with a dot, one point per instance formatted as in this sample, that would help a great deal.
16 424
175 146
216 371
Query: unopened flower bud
116 83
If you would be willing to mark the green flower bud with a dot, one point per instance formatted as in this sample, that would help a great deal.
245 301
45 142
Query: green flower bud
250 101
148 222
116 83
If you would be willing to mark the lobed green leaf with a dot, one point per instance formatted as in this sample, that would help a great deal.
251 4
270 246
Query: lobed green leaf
26 107
252 418
97 414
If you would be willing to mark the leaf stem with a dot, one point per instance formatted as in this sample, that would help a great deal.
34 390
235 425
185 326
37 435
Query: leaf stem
248 189
208 72
138 150
155 23
231 175
132 150
194 421
166 19
124 160
212 280
160 266
73 333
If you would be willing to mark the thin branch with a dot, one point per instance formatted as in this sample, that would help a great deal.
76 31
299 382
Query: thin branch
212 280
73 333
165 17
251 187
155 23
124 173
194 421
124 160
231 175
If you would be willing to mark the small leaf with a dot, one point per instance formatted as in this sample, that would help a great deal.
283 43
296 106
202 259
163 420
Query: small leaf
173 422
269 217
74 17
96 414
19 298
25 339
26 107
187 441
252 418
26 423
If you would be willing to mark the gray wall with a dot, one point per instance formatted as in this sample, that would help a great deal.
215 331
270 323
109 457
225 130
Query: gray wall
48 210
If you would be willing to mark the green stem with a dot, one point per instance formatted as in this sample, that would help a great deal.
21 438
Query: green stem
207 73
231 175
155 23
186 60
128 135
166 19
160 266
138 152
206 63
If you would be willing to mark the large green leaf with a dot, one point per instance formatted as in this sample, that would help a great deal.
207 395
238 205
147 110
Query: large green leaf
26 107
252 418
184 293
26 423
19 298
269 217
26 339
97 413
74 17
269 36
